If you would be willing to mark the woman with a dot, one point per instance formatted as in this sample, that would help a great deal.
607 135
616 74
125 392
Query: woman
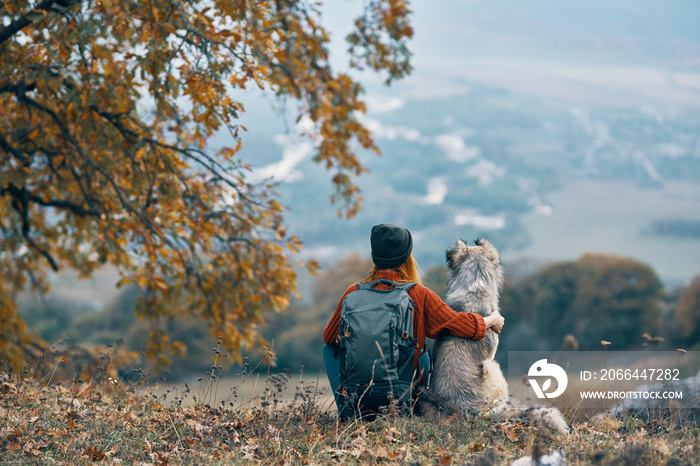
391 253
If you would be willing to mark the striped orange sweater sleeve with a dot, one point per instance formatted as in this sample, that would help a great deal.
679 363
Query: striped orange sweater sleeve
439 317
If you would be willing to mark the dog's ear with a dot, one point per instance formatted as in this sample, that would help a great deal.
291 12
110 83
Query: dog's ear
448 257
454 255
490 249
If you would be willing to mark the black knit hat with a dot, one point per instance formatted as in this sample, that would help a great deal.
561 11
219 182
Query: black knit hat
391 245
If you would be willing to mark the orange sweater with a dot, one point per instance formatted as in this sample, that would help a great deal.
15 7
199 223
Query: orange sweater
431 315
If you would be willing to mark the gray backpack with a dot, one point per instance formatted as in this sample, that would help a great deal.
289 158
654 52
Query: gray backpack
376 349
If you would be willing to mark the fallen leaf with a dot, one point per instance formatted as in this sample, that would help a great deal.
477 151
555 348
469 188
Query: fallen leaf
510 434
476 447
359 445
196 426
94 453
405 452
380 452
57 432
661 446
113 451
639 435
393 434
161 459
14 447
248 451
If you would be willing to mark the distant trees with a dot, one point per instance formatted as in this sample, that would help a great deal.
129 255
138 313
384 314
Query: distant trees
436 279
598 297
688 312
681 227
297 332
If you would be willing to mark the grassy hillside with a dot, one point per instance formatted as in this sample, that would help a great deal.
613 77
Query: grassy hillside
43 421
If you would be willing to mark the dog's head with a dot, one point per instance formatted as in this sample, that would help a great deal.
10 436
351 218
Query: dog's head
480 261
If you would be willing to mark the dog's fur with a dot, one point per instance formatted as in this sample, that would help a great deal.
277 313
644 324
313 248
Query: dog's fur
465 374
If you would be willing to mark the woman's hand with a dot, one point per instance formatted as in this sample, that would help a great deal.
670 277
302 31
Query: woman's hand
495 322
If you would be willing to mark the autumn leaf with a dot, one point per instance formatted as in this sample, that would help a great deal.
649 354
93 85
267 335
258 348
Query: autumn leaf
94 453
380 452
476 447
510 433
358 446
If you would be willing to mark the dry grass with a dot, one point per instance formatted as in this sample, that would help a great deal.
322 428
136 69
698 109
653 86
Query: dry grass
112 421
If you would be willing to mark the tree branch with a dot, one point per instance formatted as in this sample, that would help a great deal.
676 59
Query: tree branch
20 88
7 147
21 198
23 193
19 24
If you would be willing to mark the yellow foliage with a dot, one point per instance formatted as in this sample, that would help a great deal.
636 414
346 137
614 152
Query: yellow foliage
106 109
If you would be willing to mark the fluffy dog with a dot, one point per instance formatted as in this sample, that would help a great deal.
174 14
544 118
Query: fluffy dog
465 374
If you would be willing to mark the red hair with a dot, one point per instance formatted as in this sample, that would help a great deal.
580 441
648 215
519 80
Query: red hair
409 272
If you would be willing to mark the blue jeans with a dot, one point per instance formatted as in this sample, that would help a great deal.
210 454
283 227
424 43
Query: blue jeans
333 368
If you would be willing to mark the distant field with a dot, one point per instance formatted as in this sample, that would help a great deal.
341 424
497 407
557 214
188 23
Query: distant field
609 216
249 391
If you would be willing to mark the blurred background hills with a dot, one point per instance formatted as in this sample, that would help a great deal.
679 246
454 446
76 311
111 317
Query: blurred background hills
553 128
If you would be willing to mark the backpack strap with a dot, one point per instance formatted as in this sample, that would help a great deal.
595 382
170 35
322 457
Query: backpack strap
385 281
397 286
405 286
408 362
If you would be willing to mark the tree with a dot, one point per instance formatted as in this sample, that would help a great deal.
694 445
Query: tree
598 297
621 298
688 312
436 280
106 109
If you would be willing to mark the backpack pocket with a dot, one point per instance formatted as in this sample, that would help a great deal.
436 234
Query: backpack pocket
368 347
407 372
369 400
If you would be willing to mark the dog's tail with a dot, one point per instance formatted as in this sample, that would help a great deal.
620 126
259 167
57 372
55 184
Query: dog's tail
433 405
540 416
